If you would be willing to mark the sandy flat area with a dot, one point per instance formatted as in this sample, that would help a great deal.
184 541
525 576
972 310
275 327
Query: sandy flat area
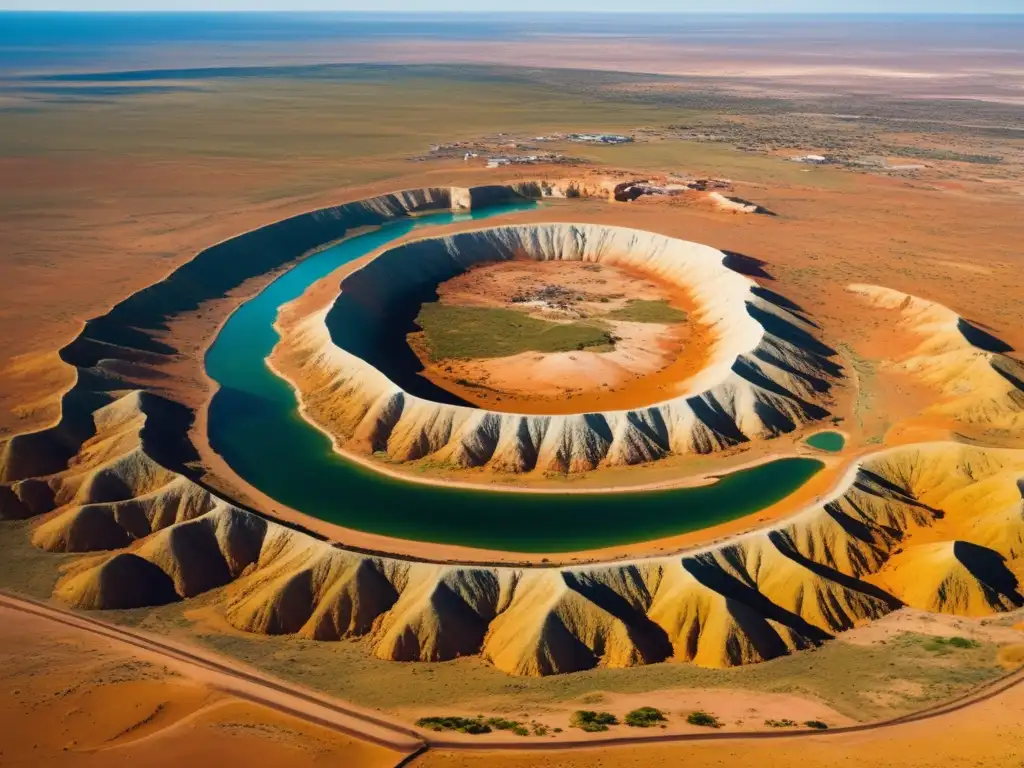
71 698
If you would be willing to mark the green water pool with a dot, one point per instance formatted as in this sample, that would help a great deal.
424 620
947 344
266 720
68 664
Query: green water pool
827 441
254 424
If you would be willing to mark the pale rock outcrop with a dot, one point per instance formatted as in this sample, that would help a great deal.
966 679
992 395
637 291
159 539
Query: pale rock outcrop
979 384
767 375
787 587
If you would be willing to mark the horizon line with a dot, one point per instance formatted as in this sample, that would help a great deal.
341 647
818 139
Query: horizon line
504 12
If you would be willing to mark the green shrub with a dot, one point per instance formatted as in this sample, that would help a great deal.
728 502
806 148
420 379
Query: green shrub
644 717
703 718
591 721
816 725
461 724
781 723
501 724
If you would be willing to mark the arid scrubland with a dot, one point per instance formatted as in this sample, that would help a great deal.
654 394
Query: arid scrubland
902 287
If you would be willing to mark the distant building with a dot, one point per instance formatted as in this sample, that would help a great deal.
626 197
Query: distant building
812 159
600 138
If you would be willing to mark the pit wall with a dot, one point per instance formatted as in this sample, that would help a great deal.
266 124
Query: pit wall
111 473
790 586
767 374
114 352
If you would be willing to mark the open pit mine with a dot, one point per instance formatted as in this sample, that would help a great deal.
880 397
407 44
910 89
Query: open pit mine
937 525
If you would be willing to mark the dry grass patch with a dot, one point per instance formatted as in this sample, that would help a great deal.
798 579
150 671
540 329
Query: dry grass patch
467 333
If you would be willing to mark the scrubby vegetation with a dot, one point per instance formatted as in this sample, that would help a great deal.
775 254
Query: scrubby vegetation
645 717
784 723
944 644
591 721
928 153
461 333
478 725
450 723
648 311
816 725
704 719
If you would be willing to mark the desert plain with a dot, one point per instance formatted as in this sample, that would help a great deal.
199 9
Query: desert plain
567 347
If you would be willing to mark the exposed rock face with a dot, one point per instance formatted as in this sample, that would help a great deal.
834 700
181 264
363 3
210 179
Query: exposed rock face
111 479
791 586
979 385
767 374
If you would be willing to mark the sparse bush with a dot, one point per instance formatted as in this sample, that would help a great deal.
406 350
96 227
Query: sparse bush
502 724
644 717
781 723
590 721
704 719
461 724
816 725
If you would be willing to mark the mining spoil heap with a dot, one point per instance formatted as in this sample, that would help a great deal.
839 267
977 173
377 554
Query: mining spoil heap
765 372
936 525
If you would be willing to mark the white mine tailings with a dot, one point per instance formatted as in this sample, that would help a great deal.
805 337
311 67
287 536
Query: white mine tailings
767 373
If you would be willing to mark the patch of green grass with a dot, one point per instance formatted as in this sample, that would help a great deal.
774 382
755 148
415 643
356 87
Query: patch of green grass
461 333
590 721
703 719
648 311
944 644
644 717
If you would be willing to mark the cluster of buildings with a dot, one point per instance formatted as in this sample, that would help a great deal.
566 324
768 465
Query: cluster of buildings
499 161
588 138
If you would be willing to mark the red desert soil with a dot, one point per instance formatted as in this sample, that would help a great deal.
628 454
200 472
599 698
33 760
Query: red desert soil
70 697
649 362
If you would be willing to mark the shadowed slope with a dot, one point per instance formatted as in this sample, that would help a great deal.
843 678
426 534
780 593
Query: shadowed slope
768 374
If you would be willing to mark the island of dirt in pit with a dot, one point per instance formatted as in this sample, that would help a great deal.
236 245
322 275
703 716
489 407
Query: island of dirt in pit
558 337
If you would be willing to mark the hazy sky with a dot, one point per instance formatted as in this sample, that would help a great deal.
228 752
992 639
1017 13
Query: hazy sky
702 6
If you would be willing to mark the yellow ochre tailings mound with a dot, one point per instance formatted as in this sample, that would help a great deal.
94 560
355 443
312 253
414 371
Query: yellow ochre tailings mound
935 525
767 373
